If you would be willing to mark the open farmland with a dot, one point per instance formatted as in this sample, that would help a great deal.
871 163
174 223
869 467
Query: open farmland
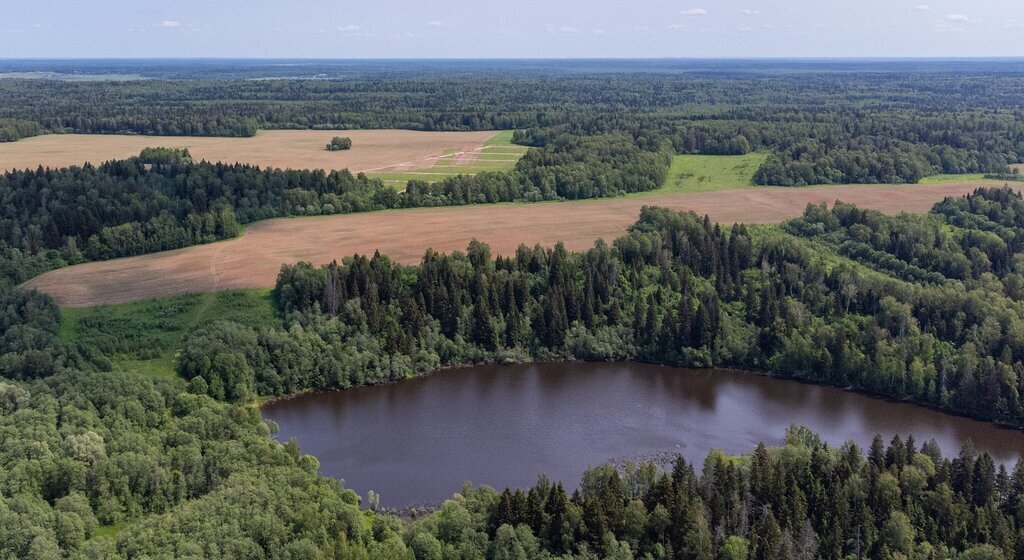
373 151
497 154
253 260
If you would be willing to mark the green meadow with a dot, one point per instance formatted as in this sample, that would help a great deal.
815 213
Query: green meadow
144 336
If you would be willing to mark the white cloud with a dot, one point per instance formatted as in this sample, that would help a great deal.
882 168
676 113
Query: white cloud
435 23
694 12
675 26
597 31
1014 24
349 29
751 12
170 24
958 18
562 30
923 8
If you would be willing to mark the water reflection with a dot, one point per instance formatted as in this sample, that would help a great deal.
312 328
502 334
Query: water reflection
417 441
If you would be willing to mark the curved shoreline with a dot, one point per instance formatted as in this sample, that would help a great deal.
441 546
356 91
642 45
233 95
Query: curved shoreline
268 401
562 416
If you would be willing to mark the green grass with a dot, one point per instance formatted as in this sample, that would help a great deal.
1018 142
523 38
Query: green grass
109 531
498 154
505 150
498 157
502 138
693 173
145 336
964 178
690 173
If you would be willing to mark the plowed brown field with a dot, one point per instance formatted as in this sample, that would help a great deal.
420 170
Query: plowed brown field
254 259
372 150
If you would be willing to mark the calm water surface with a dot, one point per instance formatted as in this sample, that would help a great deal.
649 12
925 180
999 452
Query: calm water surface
415 442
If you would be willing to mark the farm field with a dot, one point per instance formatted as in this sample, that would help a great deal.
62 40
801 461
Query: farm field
253 260
497 154
378 152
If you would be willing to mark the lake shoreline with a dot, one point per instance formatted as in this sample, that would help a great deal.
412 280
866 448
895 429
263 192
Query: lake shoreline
501 425
262 402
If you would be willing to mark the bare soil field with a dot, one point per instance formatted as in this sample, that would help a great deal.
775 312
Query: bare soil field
255 259
372 150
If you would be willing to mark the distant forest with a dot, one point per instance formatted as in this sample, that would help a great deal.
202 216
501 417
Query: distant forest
820 124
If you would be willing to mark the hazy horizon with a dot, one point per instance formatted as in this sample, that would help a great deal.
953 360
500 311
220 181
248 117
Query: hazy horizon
521 58
572 29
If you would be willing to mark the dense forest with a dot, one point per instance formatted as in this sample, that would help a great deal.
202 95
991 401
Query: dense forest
805 500
926 308
98 462
164 200
821 124
102 463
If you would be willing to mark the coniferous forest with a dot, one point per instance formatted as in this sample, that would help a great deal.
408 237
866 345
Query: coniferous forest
890 122
98 460
924 308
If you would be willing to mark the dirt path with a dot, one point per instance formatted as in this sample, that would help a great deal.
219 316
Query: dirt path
254 259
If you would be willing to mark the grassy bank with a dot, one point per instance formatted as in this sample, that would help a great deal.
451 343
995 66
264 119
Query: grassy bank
145 336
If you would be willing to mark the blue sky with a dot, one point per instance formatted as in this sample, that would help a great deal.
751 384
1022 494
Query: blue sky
511 28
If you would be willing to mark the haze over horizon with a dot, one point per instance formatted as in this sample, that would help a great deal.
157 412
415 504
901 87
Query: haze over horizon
530 29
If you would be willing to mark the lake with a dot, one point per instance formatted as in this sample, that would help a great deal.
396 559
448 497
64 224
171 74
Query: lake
416 441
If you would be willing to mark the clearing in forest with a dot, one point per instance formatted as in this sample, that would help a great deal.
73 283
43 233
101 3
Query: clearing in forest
377 151
694 173
144 336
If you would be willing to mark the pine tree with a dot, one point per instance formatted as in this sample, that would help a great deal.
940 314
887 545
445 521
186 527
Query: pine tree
555 510
766 541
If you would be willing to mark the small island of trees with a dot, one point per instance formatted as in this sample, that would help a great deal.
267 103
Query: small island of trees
339 143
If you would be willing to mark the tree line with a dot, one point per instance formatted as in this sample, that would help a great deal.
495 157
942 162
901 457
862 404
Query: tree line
164 200
802 501
920 308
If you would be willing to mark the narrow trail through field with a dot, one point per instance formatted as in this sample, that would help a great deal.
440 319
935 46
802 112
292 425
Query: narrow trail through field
425 163
207 301
254 259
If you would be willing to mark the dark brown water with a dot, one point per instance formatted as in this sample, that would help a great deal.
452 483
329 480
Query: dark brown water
415 442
